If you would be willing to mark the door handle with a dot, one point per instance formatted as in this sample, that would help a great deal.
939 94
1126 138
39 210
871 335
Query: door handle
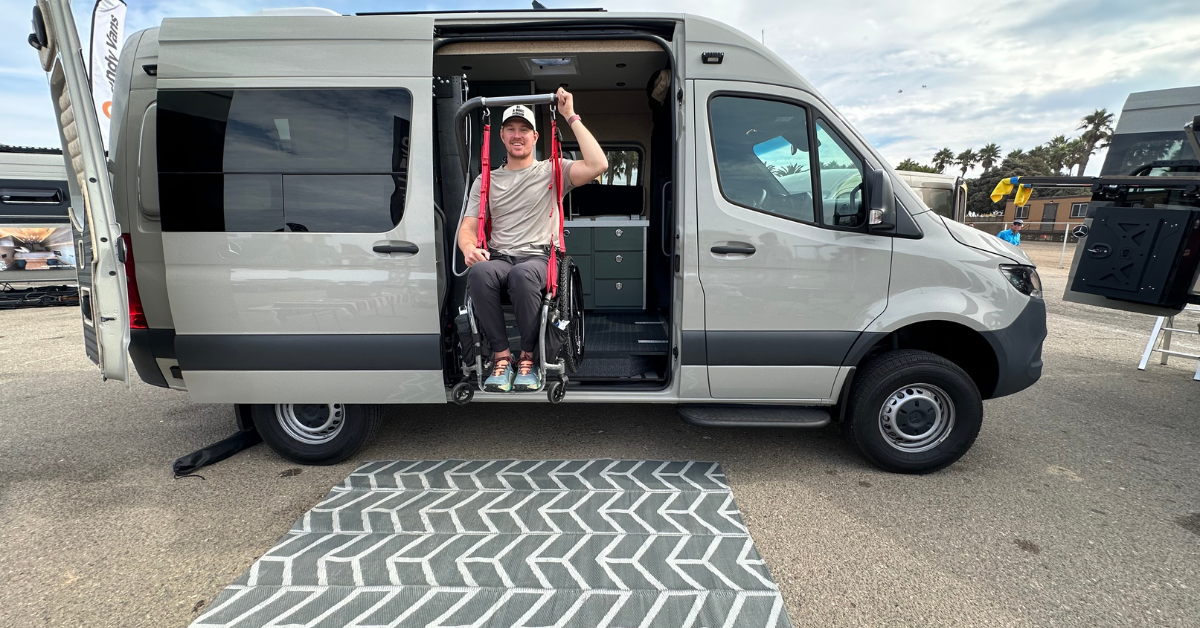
395 246
742 249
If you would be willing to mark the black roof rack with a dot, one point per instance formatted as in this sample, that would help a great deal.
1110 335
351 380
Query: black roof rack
548 9
1095 183
30 150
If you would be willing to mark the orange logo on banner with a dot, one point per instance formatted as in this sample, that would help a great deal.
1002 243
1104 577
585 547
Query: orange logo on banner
105 108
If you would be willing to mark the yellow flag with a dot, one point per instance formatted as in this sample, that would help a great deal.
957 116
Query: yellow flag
1023 194
1002 188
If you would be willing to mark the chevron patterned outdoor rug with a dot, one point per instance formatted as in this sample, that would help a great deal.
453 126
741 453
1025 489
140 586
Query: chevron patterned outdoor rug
615 543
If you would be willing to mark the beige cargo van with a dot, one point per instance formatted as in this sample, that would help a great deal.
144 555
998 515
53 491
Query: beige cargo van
273 228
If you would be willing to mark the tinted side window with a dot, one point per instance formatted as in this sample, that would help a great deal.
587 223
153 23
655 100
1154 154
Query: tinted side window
274 160
843 203
762 155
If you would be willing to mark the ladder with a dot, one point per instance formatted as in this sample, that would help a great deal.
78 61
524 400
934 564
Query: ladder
1164 327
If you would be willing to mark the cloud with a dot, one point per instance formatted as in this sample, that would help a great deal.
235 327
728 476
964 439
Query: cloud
912 76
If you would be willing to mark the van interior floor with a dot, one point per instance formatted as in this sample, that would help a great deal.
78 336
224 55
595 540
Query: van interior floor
619 346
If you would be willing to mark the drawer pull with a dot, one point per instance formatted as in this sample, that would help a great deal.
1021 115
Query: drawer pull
619 232
618 286
619 258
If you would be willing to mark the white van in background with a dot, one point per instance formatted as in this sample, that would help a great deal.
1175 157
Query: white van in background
36 246
945 194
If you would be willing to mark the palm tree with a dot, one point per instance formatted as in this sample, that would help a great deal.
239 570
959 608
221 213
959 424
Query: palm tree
943 158
621 163
1015 153
1057 153
793 169
1097 134
989 155
1074 151
966 160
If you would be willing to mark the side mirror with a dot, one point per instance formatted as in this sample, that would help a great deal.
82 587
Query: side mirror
883 200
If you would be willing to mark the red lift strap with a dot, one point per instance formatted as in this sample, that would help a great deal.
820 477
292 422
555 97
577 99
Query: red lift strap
485 185
556 187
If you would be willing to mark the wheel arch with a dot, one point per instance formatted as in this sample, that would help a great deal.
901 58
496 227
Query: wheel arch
969 349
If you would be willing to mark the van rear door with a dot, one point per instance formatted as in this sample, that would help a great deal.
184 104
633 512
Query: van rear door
295 184
103 298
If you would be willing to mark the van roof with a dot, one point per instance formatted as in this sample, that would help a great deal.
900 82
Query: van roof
1159 110
745 58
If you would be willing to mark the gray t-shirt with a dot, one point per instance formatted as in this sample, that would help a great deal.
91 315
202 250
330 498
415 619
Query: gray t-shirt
521 207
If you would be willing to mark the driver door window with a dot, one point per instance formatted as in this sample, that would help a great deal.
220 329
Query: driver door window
842 200
762 155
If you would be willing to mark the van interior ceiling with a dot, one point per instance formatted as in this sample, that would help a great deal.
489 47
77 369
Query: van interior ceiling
615 225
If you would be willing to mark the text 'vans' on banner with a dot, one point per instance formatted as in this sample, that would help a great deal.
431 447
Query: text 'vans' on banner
108 25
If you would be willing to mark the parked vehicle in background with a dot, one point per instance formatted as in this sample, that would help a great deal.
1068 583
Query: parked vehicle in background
1137 245
278 229
1149 138
36 245
945 194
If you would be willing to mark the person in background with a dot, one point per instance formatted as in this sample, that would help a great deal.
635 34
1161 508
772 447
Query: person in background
1012 235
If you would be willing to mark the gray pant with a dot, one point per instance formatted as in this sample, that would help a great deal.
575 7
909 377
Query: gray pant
525 280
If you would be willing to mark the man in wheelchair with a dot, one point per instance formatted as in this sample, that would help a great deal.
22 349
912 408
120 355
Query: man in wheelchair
521 211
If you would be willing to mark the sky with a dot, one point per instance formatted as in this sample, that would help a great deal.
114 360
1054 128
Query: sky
913 76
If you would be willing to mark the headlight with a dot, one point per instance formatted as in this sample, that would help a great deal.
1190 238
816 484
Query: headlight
1023 278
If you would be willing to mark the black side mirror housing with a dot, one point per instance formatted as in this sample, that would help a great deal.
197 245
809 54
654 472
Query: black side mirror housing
882 208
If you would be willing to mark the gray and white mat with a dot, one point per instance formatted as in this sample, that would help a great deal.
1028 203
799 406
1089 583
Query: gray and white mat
615 543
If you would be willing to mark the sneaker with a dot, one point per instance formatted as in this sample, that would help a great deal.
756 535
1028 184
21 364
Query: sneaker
528 376
502 377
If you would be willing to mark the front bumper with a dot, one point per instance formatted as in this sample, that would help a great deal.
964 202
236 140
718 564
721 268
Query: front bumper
1018 350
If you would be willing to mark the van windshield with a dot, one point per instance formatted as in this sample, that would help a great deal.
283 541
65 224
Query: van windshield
1130 151
940 200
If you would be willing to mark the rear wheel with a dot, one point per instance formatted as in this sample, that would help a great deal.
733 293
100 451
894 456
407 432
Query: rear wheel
912 412
315 433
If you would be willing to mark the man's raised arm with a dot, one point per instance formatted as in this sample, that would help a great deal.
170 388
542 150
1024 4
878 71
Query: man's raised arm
594 163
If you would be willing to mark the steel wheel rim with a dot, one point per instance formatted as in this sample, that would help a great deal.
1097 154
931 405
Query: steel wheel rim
311 423
916 418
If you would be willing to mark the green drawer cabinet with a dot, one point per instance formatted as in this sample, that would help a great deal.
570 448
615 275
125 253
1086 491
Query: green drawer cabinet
618 264
617 238
626 293
578 240
611 262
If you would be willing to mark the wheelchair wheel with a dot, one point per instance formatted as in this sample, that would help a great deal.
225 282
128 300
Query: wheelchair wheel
570 307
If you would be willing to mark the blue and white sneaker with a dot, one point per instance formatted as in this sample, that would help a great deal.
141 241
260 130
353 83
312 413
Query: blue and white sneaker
528 376
501 380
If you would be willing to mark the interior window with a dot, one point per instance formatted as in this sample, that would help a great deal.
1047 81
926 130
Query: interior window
843 203
329 160
624 165
762 155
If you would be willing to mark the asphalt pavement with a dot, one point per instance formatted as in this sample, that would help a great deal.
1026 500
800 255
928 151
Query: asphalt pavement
1079 504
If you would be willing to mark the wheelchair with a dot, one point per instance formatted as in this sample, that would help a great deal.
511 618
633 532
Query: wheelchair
561 339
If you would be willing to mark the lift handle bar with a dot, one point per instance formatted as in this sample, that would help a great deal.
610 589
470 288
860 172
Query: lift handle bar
480 102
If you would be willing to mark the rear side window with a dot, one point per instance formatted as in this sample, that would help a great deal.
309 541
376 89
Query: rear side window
762 155
843 203
330 160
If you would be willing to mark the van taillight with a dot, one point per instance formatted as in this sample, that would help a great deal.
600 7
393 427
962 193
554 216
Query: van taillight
137 317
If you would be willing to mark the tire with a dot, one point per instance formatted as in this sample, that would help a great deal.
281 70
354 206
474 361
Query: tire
933 412
289 430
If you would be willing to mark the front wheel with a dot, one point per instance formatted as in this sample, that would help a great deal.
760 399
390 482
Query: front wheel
912 412
315 433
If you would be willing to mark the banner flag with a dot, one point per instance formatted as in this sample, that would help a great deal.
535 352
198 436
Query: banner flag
108 25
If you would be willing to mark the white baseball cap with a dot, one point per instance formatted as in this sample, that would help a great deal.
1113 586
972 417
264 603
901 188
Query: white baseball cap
519 111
